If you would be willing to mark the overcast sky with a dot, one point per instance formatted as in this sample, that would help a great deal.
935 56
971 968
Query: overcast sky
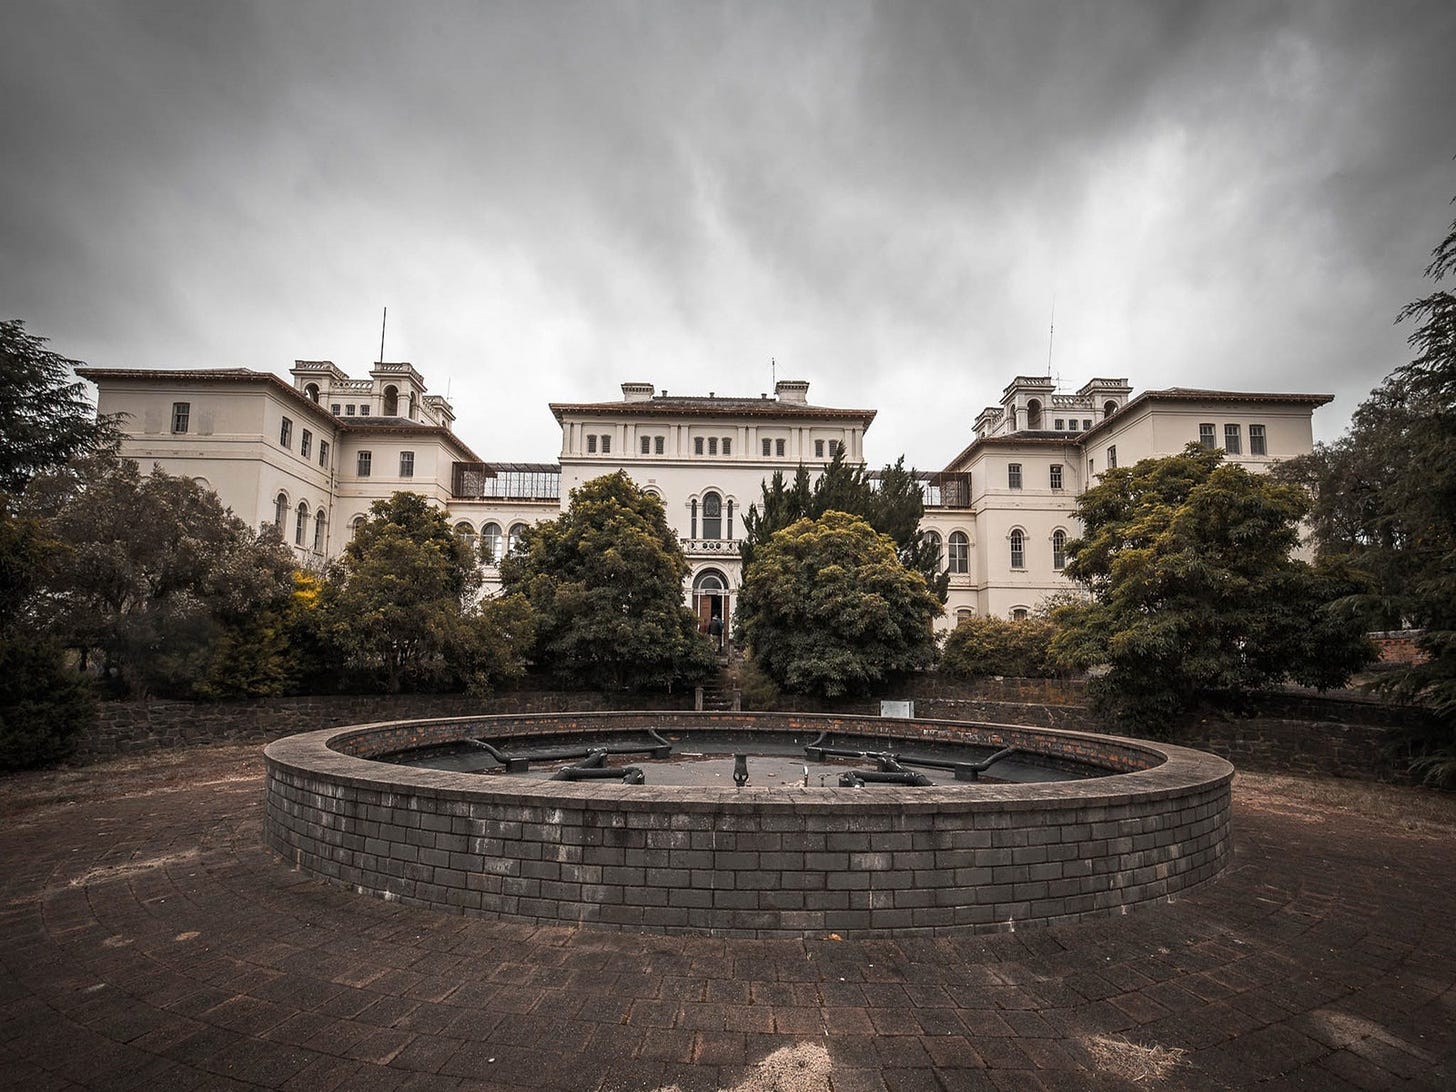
885 198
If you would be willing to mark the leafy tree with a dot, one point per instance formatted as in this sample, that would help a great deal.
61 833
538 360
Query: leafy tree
987 645
398 604
827 608
605 579
44 416
44 704
892 506
155 578
1194 589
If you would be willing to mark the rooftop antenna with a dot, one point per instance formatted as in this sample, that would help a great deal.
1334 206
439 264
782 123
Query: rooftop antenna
773 371
382 323
1051 335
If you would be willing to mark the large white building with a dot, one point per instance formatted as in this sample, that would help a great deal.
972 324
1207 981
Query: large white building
311 458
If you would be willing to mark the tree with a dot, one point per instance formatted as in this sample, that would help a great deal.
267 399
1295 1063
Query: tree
399 604
893 505
44 416
154 577
827 608
605 580
987 645
1193 589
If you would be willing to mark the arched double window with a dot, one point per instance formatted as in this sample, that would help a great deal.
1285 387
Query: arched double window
932 538
712 515
300 528
318 531
466 534
1059 549
960 552
280 512
1018 549
490 543
513 544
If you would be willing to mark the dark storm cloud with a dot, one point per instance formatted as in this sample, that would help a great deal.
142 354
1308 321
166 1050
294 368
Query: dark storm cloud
553 198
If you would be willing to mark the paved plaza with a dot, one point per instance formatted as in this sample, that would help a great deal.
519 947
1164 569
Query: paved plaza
148 940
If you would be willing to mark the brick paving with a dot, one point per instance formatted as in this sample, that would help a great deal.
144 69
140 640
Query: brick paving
148 940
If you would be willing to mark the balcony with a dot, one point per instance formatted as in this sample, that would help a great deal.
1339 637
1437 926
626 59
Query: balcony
726 548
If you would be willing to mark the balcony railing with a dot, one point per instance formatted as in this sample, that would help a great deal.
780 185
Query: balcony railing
711 547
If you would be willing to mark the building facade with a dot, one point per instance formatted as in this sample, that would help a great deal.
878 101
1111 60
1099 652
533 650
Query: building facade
311 457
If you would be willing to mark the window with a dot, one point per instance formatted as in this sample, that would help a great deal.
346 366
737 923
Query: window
181 413
712 515
833 448
513 542
727 446
323 453
697 445
280 511
960 552
1060 422
1091 468
1231 442
1112 457
365 460
466 534
305 444
1086 423
1059 549
964 614
364 411
729 535
1056 476
1072 425
1018 549
693 525
311 392
406 464
591 444
357 525
606 445
818 449
334 409
767 448
318 532
657 445
779 448
712 445
932 538
349 410
391 401
300 527
1019 614
1013 475
285 433
1205 435
490 543
1257 443
1109 408
647 445
1033 414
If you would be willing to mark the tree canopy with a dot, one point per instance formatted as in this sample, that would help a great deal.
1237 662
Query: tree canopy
605 580
827 608
893 505
1188 562
45 418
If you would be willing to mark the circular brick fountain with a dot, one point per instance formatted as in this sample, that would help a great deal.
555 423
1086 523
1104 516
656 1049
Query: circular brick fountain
766 861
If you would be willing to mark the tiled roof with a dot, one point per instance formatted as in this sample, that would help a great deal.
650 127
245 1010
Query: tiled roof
687 406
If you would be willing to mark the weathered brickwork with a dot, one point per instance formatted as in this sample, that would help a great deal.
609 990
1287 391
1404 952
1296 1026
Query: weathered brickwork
755 861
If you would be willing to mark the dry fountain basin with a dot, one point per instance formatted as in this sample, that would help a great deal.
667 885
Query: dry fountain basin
1125 824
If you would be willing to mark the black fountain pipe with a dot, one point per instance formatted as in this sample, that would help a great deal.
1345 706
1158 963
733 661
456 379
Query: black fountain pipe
888 760
517 762
855 778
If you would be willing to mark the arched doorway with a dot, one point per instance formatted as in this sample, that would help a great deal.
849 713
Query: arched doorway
710 601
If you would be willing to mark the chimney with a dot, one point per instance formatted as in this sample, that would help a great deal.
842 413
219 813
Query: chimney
637 392
794 391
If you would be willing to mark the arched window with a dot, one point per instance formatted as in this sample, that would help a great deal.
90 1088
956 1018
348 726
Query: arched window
466 533
712 515
960 552
1059 549
318 532
513 544
280 512
311 392
1033 414
391 401
1109 408
357 525
490 543
1018 549
963 615
1020 614
300 528
932 538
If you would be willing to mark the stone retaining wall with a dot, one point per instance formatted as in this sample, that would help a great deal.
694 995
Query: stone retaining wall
756 861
